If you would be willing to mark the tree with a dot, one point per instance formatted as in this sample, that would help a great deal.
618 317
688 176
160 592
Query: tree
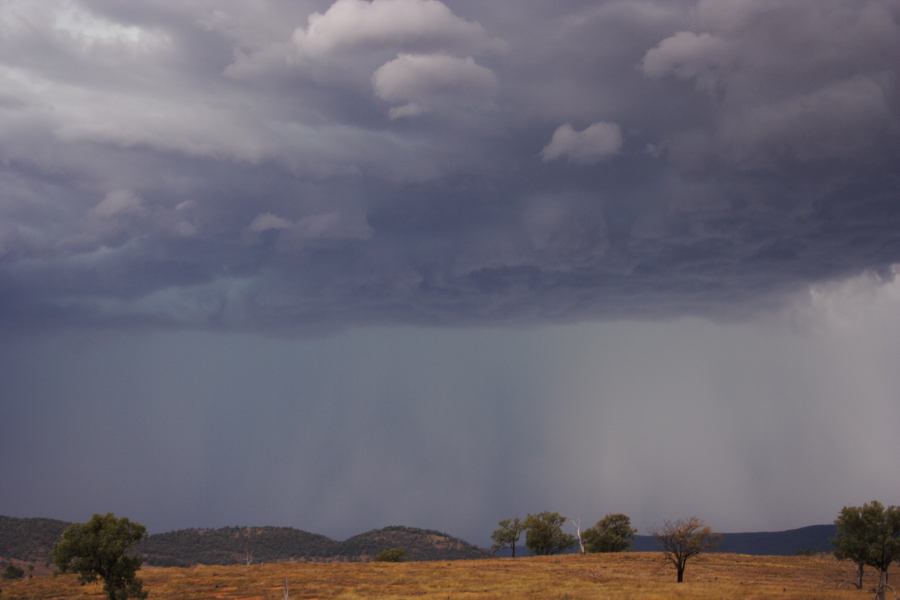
391 555
101 549
507 533
876 530
13 572
683 539
612 533
544 534
851 541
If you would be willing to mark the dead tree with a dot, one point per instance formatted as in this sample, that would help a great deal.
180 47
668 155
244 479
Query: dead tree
683 539
577 524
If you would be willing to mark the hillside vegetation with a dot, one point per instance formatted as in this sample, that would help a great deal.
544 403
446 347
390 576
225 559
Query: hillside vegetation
623 576
31 540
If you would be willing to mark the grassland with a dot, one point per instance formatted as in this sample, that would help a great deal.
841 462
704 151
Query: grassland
612 576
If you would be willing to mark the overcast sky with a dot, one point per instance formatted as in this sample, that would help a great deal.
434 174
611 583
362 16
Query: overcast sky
345 264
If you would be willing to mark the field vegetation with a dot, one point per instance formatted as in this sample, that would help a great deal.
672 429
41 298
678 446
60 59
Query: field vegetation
615 576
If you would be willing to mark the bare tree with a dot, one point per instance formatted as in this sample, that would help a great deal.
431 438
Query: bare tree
684 538
286 591
577 524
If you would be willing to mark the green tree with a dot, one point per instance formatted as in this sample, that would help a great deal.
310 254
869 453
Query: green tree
881 534
612 533
544 534
102 549
391 555
851 541
684 539
507 533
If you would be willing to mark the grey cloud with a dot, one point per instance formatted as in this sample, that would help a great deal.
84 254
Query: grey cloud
753 157
788 83
595 143
350 24
230 278
421 83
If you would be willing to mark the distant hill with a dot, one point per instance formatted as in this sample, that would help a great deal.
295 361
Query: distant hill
32 540
420 544
815 538
29 540
230 545
812 539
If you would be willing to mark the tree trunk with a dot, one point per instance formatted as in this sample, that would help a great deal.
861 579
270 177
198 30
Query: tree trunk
513 547
859 575
680 573
881 592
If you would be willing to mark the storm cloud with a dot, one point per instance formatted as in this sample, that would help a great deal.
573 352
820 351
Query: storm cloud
287 188
295 166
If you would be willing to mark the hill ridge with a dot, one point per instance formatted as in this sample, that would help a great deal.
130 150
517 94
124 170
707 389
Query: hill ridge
32 539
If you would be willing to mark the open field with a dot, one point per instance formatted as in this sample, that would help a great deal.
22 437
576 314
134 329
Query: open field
614 576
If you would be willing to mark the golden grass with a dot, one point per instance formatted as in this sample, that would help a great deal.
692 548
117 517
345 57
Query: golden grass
627 576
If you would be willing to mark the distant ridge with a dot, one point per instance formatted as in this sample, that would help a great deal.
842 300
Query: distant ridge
29 540
32 540
811 539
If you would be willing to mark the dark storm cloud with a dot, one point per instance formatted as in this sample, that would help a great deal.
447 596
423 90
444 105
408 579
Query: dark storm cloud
303 165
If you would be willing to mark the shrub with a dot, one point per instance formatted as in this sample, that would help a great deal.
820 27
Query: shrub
391 555
13 572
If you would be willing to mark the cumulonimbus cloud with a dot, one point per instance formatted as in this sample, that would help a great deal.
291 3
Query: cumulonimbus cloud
773 128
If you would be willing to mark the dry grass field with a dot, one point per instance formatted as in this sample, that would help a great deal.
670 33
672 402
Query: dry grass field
634 576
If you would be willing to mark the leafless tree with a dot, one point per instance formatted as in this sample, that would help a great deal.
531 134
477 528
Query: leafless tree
684 538
577 524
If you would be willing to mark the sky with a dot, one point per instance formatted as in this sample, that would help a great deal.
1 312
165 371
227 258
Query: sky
343 264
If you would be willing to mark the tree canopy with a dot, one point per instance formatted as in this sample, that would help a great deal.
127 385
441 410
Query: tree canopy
869 535
683 539
101 549
544 534
612 533
507 534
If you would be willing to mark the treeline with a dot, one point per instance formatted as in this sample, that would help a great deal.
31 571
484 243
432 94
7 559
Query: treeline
868 535
680 540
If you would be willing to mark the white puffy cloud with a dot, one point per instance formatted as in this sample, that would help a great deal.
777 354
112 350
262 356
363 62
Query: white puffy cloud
421 83
596 143
419 24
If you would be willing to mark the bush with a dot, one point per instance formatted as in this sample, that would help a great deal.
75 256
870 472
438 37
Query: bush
13 572
391 555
